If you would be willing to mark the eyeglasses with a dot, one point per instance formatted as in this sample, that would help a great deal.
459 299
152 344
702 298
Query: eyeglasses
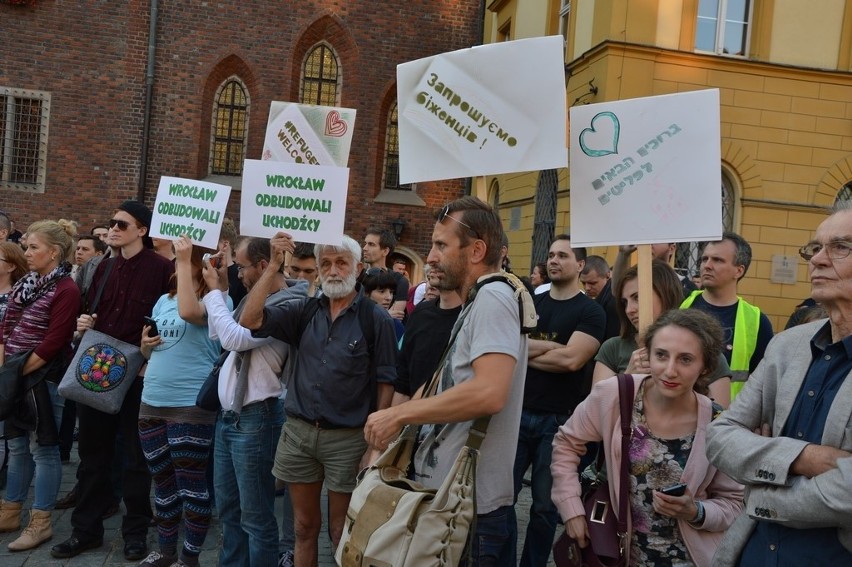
373 271
445 213
242 268
121 224
836 250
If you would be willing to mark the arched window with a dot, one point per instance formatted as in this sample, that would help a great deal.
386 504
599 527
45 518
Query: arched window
688 254
844 195
230 128
391 177
321 77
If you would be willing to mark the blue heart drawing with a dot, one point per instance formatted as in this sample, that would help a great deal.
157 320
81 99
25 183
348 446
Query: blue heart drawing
603 140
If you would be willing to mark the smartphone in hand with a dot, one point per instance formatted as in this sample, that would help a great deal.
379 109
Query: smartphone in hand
153 324
678 489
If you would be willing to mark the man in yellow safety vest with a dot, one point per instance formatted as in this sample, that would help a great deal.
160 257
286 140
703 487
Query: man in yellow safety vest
747 330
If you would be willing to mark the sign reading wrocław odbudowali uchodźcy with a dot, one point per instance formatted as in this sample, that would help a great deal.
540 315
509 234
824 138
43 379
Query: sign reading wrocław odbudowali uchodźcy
646 170
306 201
497 108
308 134
190 207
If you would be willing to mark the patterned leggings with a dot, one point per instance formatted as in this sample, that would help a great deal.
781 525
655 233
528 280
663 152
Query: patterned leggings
177 455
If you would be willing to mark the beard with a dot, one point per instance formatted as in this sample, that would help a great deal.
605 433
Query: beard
339 287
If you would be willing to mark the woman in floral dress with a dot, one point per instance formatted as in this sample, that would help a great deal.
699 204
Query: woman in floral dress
669 422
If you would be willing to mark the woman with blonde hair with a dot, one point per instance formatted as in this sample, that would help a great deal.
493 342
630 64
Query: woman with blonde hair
40 319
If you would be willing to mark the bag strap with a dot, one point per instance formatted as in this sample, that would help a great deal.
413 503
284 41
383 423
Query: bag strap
625 400
100 291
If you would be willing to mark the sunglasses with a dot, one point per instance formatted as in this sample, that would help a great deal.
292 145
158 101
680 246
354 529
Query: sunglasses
121 224
445 214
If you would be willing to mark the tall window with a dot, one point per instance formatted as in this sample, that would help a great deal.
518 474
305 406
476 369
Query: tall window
688 254
230 122
392 153
564 17
723 26
23 138
321 77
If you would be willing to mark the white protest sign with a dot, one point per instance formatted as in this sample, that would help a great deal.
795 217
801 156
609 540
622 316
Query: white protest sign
306 201
490 109
194 208
646 170
313 135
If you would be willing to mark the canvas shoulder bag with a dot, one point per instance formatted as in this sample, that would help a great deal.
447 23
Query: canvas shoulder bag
103 368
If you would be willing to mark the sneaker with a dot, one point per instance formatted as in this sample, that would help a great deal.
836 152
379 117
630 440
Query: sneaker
286 559
157 559
178 563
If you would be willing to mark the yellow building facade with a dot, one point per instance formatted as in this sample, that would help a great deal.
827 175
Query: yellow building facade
784 71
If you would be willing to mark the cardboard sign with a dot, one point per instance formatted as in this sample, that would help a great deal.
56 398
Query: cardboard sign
490 109
646 170
194 208
306 201
313 135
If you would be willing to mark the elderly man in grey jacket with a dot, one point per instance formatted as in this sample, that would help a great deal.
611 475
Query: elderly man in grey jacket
788 435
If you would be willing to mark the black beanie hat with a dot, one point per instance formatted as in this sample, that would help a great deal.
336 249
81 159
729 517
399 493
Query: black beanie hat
142 214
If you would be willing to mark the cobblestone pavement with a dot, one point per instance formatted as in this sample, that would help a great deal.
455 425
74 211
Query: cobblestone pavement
112 552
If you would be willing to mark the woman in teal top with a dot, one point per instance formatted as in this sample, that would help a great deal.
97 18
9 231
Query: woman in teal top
175 434
624 354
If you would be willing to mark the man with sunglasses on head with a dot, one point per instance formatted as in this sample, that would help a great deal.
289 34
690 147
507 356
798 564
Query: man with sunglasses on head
483 376
787 435
137 278
747 330
378 245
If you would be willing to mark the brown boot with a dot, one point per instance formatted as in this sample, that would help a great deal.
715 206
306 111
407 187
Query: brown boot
10 516
37 532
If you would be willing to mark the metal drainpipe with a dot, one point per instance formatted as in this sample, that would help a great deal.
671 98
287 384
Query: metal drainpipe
149 95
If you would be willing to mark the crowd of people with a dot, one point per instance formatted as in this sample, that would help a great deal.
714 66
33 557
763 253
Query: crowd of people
317 357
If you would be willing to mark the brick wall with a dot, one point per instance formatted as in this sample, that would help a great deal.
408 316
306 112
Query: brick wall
91 57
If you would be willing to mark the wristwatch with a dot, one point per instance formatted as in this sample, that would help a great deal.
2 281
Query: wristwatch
699 516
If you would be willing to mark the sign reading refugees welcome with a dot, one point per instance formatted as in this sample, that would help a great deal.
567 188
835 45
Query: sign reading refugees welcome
193 208
646 170
306 201
490 109
312 135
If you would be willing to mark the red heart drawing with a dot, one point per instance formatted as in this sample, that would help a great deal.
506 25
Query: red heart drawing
334 126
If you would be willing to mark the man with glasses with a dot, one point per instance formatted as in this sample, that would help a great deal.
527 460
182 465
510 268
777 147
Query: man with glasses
137 278
378 245
483 375
747 330
248 427
787 435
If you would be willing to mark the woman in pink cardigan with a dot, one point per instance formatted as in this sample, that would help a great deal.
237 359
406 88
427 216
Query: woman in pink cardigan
670 417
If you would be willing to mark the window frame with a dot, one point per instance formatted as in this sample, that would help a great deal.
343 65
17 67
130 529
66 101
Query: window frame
9 142
721 20
215 138
388 153
338 78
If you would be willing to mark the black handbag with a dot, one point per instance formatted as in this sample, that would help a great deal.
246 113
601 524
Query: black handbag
607 533
208 395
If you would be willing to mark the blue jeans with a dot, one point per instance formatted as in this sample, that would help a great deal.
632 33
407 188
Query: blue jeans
535 447
245 488
41 462
494 542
